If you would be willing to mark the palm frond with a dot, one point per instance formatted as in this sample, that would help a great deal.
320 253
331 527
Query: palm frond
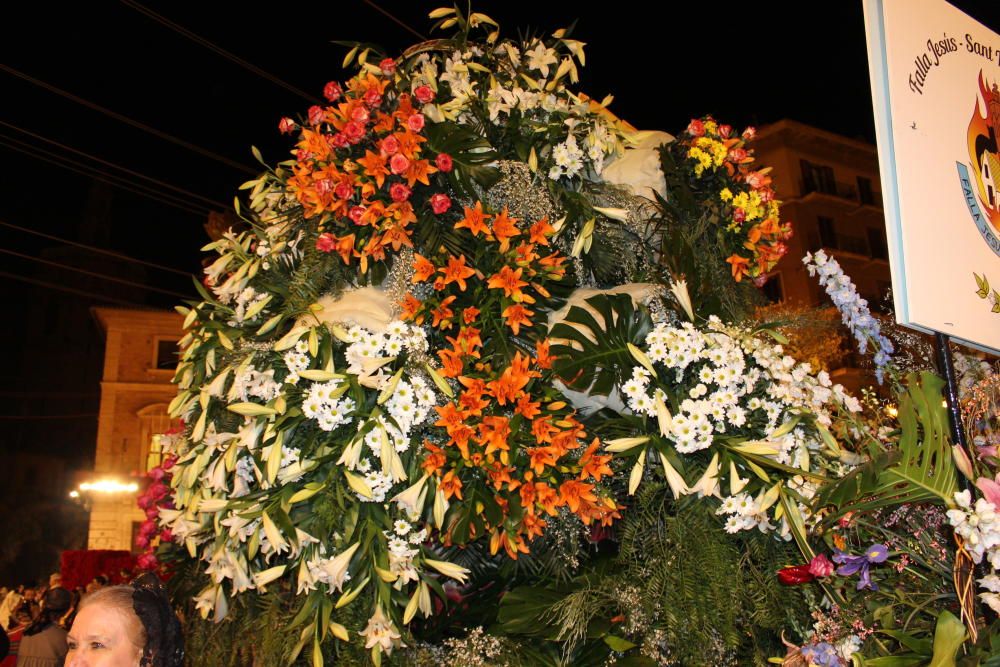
473 157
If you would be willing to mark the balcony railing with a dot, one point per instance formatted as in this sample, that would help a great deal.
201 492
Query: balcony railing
840 190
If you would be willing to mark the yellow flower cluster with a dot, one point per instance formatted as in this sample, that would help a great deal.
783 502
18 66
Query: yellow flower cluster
708 153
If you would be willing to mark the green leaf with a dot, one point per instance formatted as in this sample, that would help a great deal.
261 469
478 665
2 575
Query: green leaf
618 644
920 468
594 355
949 634
471 154
522 609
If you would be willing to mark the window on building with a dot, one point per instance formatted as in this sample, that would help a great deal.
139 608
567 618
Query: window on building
773 289
827 232
877 244
865 192
166 354
818 178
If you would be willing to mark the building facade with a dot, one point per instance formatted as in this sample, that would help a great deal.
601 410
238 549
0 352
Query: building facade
140 355
830 190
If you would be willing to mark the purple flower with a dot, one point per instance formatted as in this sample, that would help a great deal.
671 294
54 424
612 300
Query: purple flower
821 653
853 309
876 553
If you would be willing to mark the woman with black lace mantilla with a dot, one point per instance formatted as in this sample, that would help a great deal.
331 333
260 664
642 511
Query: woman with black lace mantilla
126 626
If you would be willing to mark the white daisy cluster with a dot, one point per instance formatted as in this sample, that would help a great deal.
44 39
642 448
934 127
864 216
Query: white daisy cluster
367 346
296 360
744 513
401 542
247 307
979 526
324 404
730 382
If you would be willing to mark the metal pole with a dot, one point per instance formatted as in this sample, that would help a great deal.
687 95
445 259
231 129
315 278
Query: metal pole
941 347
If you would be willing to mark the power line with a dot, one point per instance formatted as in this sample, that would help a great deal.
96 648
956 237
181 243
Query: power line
193 195
393 18
218 49
63 288
129 121
102 251
46 417
101 276
95 173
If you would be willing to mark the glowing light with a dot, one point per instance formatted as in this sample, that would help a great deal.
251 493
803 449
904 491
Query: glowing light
109 486
892 411
74 494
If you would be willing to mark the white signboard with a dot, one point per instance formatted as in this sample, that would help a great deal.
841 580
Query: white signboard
935 76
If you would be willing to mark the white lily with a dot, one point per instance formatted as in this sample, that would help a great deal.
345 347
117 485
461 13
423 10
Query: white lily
336 568
679 289
708 485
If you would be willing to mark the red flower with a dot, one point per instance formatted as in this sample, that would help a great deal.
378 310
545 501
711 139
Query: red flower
390 145
325 243
169 462
142 541
148 528
166 535
354 132
737 155
424 94
793 576
286 125
355 214
332 91
152 512
343 191
415 122
158 491
373 98
147 561
696 128
739 215
440 203
725 131
821 566
315 114
388 66
399 163
156 473
360 115
749 133
324 186
444 162
399 192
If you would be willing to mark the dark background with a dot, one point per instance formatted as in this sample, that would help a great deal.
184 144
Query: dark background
78 174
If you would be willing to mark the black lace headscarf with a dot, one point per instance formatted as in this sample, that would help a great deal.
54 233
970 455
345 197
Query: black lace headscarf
164 639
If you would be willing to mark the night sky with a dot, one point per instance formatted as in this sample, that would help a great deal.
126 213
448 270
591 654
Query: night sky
77 173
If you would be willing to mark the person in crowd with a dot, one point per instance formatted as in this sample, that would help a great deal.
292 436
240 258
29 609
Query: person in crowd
98 582
44 641
20 621
126 626
8 606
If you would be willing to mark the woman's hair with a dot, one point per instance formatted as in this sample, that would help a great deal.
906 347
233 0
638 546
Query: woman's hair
56 603
154 625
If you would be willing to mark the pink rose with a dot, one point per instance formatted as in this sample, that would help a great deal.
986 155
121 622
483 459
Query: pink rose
158 490
399 163
440 203
373 98
332 91
142 541
286 125
390 145
166 535
749 133
760 280
144 501
156 473
424 94
739 215
339 140
147 561
148 528
343 191
354 131
415 122
725 131
325 243
315 114
444 162
169 462
360 115
152 512
388 66
821 566
696 128
324 186
303 155
737 155
399 192
355 214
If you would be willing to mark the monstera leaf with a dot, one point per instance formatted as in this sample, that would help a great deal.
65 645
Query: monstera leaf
593 355
919 469
473 157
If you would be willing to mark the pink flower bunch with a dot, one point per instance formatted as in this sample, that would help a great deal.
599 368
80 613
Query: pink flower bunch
156 496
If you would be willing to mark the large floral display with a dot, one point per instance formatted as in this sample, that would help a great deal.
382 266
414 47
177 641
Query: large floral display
478 381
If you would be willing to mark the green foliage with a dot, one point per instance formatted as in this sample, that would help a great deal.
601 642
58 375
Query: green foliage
595 354
919 469
471 153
